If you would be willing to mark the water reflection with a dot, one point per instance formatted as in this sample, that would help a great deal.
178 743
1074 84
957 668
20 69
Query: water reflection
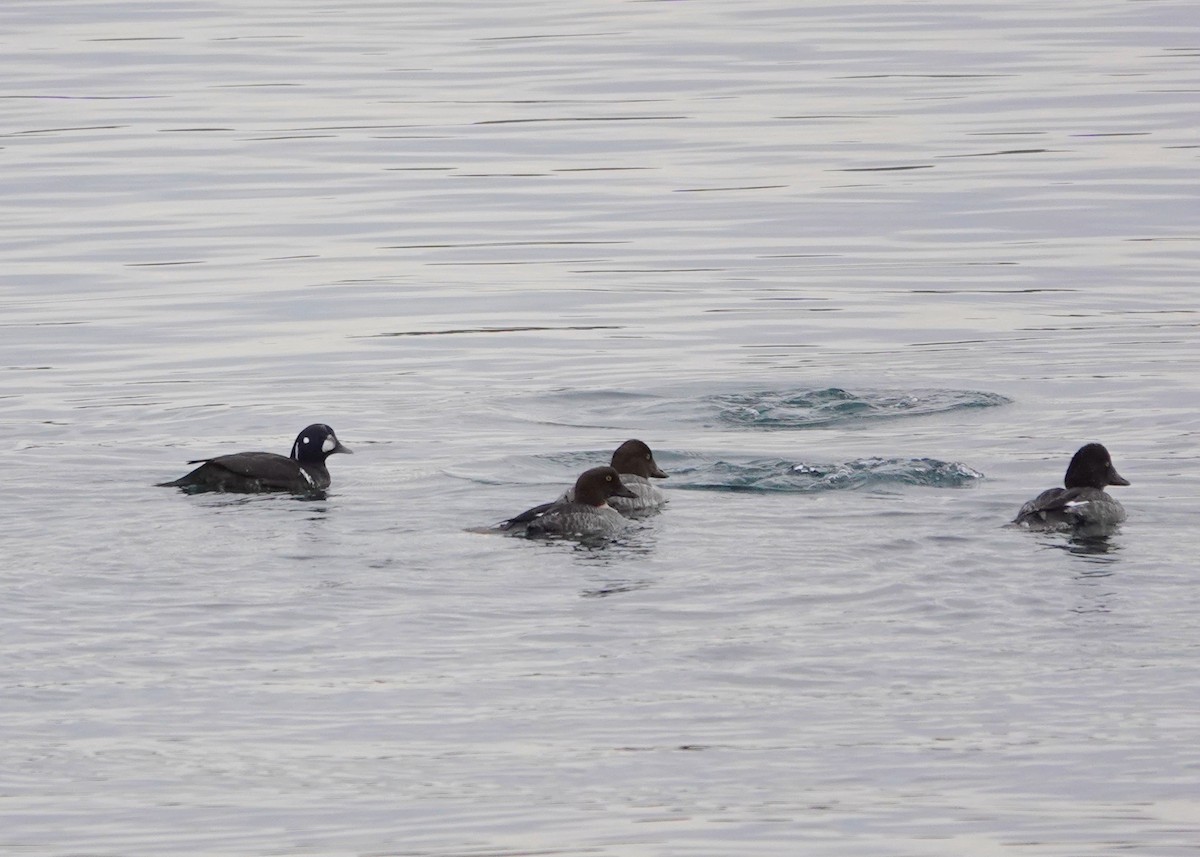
1098 555
1100 548
1095 547
614 587
638 543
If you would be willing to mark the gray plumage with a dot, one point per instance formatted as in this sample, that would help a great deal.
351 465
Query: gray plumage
587 515
635 462
1082 502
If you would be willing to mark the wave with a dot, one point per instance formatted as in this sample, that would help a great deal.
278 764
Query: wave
799 409
779 410
778 475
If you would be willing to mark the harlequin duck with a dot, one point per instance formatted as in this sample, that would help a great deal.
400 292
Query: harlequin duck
1083 502
304 472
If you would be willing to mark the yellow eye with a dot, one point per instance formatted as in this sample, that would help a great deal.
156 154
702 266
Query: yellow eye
608 479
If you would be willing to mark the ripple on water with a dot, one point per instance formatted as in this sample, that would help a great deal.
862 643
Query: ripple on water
797 409
778 475
700 472
756 409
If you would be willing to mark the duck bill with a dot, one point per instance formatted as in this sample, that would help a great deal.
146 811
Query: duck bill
341 448
1115 478
656 471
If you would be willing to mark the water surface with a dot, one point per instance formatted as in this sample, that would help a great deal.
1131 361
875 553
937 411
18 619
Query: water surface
864 277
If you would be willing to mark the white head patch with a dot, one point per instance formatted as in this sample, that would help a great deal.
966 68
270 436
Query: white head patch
328 446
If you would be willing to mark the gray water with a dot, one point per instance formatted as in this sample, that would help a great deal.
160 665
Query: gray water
864 277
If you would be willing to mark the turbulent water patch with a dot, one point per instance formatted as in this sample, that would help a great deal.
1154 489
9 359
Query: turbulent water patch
797 409
778 475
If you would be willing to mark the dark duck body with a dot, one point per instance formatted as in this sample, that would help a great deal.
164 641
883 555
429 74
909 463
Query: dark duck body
1083 501
587 515
302 472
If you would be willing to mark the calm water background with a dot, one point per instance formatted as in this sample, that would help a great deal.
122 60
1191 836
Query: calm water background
488 243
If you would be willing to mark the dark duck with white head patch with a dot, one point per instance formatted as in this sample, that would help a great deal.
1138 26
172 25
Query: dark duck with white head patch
303 472
1083 501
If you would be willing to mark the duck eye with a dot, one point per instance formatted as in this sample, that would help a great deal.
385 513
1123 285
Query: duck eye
608 479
